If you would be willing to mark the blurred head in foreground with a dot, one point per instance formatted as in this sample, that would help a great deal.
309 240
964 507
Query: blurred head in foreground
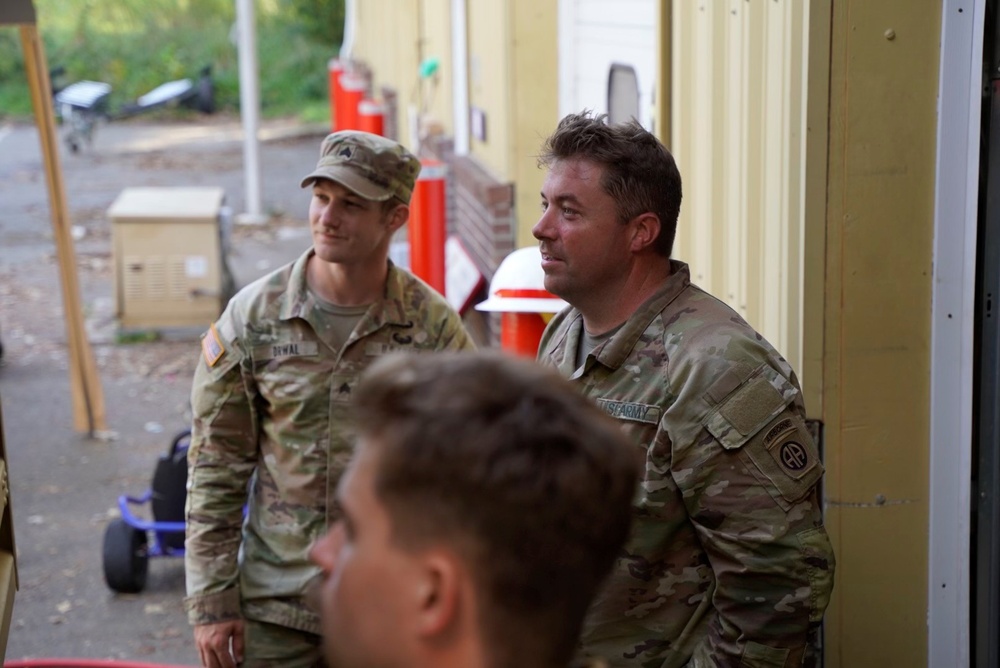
485 503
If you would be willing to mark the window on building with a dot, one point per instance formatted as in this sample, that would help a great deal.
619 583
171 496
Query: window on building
623 94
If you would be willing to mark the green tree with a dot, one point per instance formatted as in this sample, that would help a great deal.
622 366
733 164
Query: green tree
135 45
322 20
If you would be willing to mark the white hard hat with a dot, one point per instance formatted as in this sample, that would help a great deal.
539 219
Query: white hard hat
518 286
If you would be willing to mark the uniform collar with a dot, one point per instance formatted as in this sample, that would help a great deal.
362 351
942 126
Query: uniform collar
300 302
613 353
616 350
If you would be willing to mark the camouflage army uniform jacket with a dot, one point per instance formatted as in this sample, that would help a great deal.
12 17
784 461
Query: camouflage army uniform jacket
273 407
728 563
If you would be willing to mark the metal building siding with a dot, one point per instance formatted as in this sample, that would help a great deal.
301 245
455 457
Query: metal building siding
388 41
435 36
534 103
737 131
490 83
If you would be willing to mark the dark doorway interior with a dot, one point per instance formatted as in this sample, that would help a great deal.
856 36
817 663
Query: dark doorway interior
985 566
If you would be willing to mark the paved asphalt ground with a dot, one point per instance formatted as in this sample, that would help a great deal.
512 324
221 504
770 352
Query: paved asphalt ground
65 485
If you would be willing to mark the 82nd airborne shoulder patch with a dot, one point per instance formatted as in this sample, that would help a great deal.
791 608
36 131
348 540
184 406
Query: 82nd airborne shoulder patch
791 447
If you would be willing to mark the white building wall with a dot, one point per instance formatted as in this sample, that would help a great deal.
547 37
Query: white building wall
594 35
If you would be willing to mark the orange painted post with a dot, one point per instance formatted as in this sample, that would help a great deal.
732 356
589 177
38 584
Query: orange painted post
334 69
352 92
427 226
520 333
371 117
518 293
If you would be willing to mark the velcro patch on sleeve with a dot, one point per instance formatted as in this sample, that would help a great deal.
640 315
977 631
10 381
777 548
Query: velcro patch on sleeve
756 403
747 409
211 346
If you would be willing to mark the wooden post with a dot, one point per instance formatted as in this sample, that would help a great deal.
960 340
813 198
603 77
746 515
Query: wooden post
88 398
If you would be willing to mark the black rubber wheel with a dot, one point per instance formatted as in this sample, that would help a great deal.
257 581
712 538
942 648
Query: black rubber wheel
205 101
126 557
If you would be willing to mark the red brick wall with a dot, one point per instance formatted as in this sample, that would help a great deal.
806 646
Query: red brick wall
481 213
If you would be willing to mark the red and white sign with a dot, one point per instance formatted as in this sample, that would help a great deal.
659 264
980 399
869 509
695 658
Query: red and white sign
462 278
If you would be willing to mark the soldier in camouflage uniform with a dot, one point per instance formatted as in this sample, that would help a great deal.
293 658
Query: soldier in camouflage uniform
728 563
484 504
271 404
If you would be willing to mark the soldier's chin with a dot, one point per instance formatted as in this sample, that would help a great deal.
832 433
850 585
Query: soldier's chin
554 285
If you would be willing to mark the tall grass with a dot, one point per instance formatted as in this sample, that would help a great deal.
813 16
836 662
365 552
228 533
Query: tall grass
135 45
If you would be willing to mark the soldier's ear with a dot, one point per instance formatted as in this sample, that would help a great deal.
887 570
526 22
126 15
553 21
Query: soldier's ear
398 217
440 593
645 229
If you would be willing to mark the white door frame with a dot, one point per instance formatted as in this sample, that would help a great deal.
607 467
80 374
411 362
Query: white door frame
952 332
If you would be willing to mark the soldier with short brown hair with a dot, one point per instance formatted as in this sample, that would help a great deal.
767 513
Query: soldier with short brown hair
728 563
485 503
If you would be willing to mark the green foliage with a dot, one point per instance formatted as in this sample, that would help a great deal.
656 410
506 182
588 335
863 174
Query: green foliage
322 21
14 96
139 336
11 58
136 45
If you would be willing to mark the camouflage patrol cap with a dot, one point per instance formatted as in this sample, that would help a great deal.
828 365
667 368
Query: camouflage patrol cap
370 165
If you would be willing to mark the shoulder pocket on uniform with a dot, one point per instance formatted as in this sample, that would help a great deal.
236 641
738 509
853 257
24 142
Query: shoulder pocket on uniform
755 418
218 356
749 407
223 366
785 455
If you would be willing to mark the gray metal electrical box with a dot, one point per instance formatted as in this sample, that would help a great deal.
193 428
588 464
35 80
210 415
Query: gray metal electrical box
167 247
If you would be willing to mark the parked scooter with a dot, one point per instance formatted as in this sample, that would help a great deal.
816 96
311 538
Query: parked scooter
82 104
79 105
198 95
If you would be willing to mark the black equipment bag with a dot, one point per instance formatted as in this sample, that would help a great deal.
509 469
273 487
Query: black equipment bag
169 490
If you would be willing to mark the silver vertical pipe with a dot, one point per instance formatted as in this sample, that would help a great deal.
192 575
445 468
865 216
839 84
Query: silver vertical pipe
249 110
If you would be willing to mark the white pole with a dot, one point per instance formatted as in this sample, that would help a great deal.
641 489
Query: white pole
460 75
249 111
350 18
953 325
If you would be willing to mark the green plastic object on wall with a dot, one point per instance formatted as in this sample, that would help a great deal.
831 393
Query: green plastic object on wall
429 67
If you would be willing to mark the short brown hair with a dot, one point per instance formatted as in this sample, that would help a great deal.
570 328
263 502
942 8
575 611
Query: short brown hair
391 205
527 479
639 172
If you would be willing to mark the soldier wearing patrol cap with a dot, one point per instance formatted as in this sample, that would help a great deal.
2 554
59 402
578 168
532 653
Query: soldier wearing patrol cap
271 402
728 563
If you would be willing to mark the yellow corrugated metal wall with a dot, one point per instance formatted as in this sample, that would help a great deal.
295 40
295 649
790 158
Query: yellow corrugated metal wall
393 39
489 83
534 104
807 147
516 98
738 132
435 35
388 41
